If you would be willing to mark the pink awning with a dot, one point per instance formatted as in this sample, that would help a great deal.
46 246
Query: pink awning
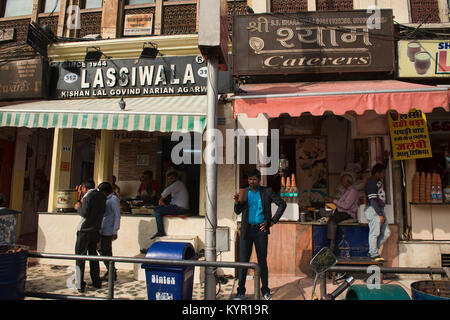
338 97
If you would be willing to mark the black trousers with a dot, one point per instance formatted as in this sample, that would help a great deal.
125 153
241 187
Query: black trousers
87 245
106 248
260 239
334 219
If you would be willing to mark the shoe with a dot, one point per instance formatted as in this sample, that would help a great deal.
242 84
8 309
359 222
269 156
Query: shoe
97 285
144 251
239 296
83 287
377 259
267 296
158 234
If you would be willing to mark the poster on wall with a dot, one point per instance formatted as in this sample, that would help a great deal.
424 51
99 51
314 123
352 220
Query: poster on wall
423 58
138 24
312 171
409 135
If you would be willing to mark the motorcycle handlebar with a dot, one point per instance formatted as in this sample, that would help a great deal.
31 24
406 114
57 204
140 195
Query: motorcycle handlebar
347 283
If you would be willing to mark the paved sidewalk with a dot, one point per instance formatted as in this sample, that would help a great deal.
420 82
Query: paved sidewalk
60 280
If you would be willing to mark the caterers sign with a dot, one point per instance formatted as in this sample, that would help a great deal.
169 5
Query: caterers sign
132 77
23 79
409 135
318 42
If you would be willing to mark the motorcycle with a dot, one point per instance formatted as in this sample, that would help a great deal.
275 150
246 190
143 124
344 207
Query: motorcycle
320 263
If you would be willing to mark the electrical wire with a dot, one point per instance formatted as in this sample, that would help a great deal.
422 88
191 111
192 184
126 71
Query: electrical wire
381 36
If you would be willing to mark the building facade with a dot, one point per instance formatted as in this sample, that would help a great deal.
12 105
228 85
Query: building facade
51 156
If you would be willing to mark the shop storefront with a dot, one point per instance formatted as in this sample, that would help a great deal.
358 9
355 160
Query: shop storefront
115 118
325 127
428 232
22 81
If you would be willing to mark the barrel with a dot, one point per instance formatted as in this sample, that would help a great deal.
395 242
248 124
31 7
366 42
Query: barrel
430 290
13 272
385 292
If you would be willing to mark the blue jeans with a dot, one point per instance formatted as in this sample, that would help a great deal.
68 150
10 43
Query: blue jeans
260 239
170 209
378 233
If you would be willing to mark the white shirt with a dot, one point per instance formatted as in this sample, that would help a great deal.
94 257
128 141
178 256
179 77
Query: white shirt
179 193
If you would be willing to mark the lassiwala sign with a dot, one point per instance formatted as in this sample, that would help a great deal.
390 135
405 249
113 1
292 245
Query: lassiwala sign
184 75
319 42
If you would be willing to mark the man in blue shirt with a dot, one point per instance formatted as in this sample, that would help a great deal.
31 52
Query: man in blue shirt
256 209
374 212
110 224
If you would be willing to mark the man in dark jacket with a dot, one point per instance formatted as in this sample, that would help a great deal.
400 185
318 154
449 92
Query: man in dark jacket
91 208
256 208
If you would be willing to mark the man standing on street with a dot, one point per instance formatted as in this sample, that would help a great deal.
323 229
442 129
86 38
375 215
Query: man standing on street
374 212
110 224
91 208
256 208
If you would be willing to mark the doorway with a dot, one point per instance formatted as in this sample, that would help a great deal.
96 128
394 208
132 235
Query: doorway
6 163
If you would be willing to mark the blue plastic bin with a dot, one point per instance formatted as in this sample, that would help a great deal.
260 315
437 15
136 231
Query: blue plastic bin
13 272
431 290
167 282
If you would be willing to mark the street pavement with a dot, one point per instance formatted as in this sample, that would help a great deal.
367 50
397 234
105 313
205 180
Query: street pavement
60 280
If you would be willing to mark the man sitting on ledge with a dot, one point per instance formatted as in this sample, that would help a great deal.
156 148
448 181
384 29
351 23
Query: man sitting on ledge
179 205
346 207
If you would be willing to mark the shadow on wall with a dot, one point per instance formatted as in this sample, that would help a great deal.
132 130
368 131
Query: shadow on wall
41 241
146 230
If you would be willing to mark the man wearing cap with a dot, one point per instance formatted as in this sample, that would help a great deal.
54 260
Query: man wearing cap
346 207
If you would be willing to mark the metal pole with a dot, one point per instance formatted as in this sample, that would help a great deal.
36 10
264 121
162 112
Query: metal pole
111 278
62 256
211 178
257 280
323 286
404 270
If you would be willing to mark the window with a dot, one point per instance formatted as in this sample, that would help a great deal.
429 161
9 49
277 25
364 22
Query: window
93 4
424 11
334 5
51 6
15 8
133 2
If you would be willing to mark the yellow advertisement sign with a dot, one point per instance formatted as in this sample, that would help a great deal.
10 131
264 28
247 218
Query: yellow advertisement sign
409 135
423 58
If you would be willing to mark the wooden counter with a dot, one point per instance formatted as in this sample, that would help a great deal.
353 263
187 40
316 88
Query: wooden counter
291 247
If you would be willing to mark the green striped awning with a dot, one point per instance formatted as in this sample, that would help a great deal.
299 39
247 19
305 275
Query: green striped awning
165 114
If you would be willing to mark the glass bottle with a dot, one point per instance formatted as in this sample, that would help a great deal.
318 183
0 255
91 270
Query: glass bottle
438 194
288 192
283 188
433 194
